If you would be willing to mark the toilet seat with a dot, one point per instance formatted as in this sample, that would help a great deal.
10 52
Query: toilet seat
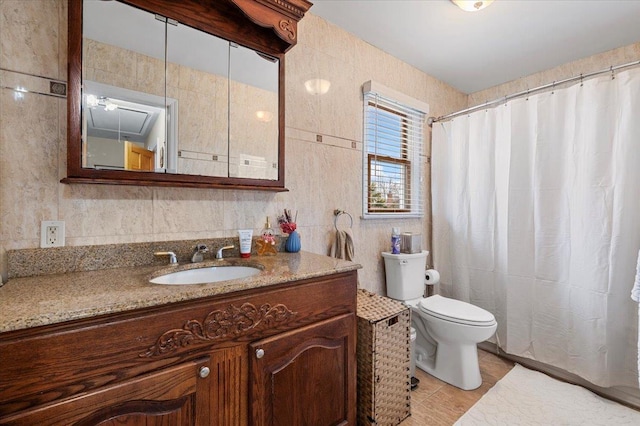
456 311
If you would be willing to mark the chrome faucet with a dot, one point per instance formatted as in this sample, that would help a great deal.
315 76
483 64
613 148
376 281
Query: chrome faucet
219 253
173 260
198 254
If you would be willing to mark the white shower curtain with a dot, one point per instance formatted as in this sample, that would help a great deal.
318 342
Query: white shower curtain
536 217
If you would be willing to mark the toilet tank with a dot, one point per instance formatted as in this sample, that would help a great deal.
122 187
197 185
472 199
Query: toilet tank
405 274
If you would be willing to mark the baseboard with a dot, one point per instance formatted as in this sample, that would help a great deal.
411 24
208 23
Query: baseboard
622 394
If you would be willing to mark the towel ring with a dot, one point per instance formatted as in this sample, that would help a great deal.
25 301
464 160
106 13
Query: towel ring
338 213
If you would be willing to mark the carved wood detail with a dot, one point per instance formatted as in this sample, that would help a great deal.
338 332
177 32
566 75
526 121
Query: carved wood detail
292 8
288 26
281 15
220 324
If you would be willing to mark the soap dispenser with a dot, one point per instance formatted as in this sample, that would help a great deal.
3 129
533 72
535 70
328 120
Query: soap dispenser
266 244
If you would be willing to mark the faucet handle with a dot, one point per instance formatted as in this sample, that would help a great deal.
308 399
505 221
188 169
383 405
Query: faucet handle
173 260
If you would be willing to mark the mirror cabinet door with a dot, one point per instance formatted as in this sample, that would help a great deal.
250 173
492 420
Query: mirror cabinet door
198 79
123 96
164 98
253 114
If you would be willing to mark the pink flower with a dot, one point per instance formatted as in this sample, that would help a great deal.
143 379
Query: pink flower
288 227
286 222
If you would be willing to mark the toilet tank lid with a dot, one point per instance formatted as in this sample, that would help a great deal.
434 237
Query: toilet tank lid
400 256
455 309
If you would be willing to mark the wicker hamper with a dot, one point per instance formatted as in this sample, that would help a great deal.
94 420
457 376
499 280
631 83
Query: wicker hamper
384 382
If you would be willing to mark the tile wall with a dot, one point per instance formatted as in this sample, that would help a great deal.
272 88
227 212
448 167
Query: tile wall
601 61
320 176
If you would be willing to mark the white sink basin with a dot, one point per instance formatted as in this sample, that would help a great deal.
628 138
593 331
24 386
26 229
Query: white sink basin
206 275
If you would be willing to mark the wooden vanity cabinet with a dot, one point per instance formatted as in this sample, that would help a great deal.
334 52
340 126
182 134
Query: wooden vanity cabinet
173 396
280 355
302 377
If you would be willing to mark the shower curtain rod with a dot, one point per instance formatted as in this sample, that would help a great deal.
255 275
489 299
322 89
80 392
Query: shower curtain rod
527 92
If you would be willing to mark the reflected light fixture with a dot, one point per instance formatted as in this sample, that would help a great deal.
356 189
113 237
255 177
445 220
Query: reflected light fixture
18 93
93 101
472 5
264 116
109 106
317 86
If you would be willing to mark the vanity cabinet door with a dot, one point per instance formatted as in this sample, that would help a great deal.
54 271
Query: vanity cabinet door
305 376
174 396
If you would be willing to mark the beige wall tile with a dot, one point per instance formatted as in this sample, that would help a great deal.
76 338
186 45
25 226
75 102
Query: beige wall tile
177 211
602 61
246 210
302 110
325 178
105 210
28 164
341 106
30 39
63 39
320 176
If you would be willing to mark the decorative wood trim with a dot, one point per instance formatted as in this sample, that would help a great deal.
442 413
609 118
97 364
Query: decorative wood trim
228 399
293 8
288 27
220 324
281 15
184 181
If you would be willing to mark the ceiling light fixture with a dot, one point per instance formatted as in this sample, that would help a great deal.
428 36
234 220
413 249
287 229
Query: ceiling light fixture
317 86
472 5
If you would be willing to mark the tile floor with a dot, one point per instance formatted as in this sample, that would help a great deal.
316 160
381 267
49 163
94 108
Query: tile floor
437 403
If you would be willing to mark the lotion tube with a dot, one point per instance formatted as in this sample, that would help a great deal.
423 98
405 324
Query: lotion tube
245 236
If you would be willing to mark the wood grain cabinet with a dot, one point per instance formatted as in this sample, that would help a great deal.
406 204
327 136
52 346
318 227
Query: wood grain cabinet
304 377
174 396
284 355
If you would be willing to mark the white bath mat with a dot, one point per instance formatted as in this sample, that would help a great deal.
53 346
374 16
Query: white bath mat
527 397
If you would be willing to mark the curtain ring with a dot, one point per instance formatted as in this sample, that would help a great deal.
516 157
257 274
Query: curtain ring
581 80
337 213
613 76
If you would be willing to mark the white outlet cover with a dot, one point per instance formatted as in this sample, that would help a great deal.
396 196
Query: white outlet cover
44 228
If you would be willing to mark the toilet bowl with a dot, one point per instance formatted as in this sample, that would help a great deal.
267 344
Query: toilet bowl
447 330
446 346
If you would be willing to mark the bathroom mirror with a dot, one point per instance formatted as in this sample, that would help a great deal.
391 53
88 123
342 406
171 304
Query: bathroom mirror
161 95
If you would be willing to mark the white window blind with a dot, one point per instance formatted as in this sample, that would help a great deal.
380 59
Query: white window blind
392 154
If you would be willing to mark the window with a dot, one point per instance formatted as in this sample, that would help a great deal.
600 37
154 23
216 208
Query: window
392 153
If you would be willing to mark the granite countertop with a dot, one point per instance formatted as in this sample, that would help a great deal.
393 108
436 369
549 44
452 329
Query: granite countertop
48 299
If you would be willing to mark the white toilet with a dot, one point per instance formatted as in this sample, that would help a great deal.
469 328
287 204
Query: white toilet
448 330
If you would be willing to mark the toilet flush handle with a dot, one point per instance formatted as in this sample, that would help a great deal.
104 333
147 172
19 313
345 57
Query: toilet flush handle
404 262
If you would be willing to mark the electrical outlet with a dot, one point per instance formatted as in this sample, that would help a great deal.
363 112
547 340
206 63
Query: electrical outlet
52 233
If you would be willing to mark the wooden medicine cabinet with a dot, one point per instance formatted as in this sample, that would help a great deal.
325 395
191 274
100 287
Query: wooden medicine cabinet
183 94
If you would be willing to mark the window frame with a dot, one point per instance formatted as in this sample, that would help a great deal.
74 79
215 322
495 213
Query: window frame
409 141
